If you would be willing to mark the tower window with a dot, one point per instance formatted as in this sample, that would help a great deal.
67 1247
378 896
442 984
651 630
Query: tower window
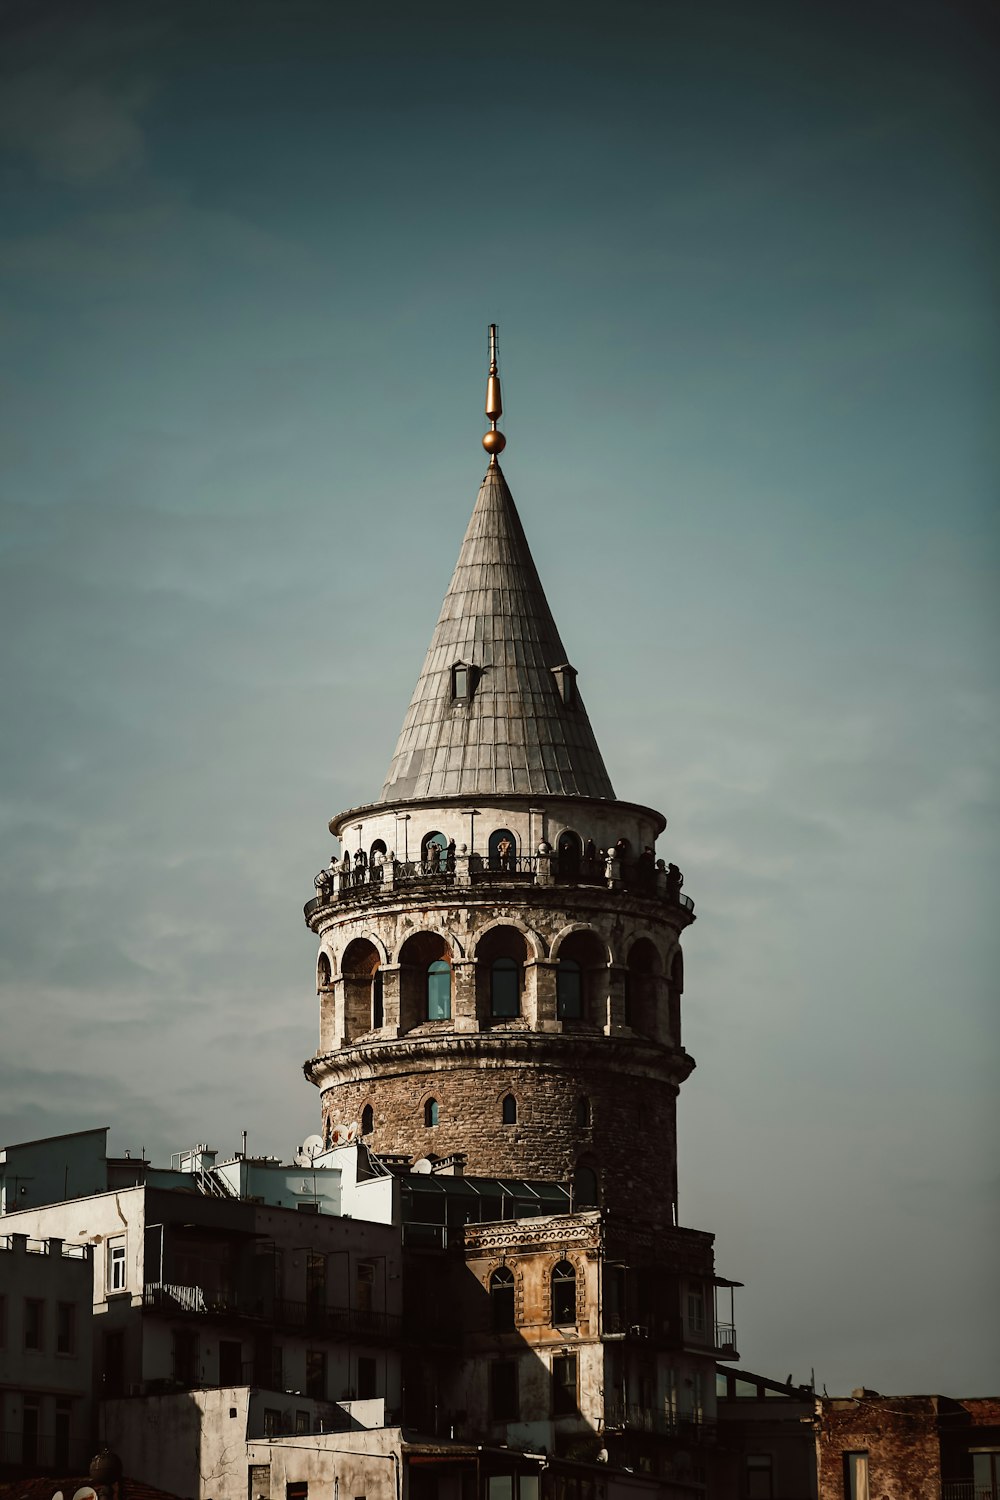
563 1294
431 1112
585 1188
505 987
378 1003
367 1120
509 1110
502 1299
569 990
565 677
439 991
582 1113
463 682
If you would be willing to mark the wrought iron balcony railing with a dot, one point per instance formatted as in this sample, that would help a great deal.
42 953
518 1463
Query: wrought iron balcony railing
626 1417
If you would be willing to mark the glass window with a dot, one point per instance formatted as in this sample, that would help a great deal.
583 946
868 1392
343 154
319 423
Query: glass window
856 1476
34 1311
585 1188
502 1310
505 987
378 1000
509 1110
583 1113
500 1487
564 1385
116 1265
563 1295
461 681
569 990
431 1112
316 1374
503 1390
439 991
759 1478
65 1327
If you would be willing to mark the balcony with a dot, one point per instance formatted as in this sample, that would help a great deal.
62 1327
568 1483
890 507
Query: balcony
336 1322
620 1416
371 884
179 1300
968 1489
725 1341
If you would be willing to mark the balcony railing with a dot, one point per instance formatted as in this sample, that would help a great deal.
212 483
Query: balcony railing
725 1341
176 1298
336 1322
361 884
45 1450
968 1489
626 1417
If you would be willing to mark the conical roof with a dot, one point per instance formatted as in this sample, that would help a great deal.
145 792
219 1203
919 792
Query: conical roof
514 733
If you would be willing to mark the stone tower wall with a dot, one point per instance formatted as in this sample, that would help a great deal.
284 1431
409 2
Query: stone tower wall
623 1057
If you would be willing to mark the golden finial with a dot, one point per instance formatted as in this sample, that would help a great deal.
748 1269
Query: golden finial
494 441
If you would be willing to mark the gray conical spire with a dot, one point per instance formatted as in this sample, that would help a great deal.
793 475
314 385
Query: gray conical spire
515 732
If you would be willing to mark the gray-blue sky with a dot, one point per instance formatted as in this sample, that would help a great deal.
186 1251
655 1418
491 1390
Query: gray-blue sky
740 256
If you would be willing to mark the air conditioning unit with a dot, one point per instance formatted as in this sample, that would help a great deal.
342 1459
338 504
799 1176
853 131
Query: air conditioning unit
639 1331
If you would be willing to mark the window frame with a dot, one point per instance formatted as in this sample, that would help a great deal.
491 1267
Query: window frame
565 1399
437 969
34 1323
117 1265
66 1328
569 1008
510 1008
502 1288
563 1276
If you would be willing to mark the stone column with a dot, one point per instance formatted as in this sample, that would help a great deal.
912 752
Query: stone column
390 1000
331 1016
463 994
544 971
616 1021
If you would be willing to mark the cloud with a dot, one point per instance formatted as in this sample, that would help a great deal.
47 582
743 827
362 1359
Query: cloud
73 132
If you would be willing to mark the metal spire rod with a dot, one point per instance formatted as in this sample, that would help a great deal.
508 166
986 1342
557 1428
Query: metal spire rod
494 441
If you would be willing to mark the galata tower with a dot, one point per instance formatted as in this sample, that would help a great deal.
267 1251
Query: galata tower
500 971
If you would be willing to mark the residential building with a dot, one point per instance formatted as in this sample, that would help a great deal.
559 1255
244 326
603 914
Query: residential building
45 1353
874 1447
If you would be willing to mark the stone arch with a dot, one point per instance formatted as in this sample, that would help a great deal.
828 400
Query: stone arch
324 971
501 954
367 1119
502 849
582 977
569 929
536 943
586 1184
508 1108
644 968
359 966
418 980
569 855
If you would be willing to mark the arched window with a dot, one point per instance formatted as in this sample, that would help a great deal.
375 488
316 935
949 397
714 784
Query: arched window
585 1188
509 1110
439 990
583 1113
433 848
568 852
378 1003
377 848
367 1120
569 990
323 972
563 1294
505 987
502 850
431 1112
502 1299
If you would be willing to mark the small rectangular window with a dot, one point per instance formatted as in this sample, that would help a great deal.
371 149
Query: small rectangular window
272 1422
367 1378
298 1490
503 1391
564 1385
759 1478
117 1279
34 1316
301 1423
65 1327
316 1374
856 1476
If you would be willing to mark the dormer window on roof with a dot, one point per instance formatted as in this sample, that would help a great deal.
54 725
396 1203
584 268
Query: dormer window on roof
463 682
565 677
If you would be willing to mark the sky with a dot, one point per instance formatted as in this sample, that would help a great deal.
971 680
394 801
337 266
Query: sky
741 257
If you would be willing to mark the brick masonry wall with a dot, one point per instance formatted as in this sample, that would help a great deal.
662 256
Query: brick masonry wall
899 1434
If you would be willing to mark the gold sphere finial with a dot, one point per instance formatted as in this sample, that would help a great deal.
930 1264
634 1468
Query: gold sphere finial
494 442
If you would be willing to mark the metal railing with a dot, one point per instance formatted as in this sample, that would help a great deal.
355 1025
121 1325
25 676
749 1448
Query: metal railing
336 1322
968 1489
626 1416
369 882
725 1338
176 1298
